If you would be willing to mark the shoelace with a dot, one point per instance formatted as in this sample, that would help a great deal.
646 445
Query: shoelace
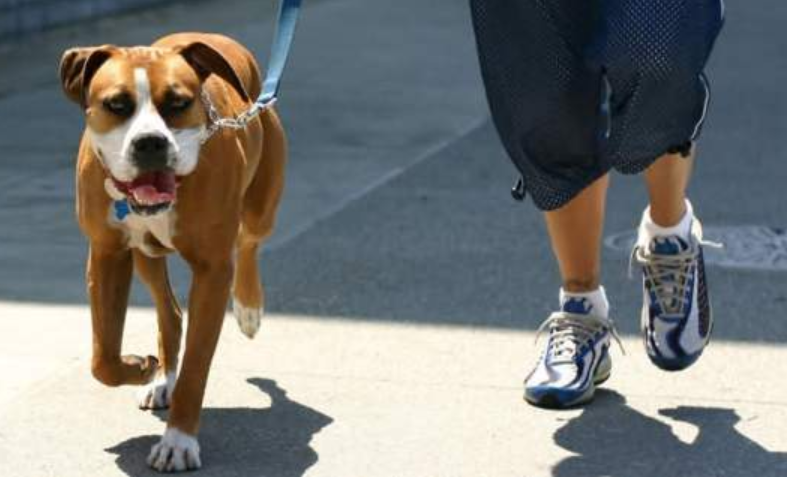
668 275
568 332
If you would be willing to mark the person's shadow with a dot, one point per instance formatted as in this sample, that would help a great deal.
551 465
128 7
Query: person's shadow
248 442
614 440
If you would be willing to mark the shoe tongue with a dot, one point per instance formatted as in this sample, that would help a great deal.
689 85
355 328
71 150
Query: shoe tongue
577 306
672 245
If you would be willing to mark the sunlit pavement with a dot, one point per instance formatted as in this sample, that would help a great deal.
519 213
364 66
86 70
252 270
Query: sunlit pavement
387 399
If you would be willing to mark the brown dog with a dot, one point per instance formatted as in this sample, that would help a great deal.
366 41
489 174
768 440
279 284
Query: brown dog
148 186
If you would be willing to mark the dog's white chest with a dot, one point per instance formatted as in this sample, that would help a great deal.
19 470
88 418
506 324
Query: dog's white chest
161 226
137 227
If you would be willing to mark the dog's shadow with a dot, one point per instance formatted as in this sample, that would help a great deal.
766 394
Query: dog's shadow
250 442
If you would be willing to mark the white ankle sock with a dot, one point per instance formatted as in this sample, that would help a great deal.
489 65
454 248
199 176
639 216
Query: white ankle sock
597 298
648 229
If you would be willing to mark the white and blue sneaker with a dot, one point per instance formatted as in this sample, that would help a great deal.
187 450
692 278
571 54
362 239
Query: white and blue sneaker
576 358
676 311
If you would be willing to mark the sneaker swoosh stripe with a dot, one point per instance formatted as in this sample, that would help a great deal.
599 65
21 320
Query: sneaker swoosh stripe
590 370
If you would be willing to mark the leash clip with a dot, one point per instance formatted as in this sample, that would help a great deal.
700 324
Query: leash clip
282 41
239 122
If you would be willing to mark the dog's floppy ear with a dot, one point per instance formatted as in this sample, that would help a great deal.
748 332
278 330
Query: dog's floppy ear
77 67
207 60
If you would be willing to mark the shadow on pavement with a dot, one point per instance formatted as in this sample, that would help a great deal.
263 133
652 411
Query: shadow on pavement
614 440
442 243
244 441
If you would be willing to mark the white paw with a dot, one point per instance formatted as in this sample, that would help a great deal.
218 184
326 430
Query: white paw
157 394
175 452
248 318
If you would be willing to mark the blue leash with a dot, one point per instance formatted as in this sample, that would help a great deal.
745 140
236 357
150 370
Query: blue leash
280 51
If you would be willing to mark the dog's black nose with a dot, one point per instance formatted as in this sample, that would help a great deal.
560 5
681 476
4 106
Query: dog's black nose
150 152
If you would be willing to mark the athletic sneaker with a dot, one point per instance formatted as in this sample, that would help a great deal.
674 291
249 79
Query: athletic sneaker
676 312
576 358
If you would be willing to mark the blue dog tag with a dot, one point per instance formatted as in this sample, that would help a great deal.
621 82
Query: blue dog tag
121 209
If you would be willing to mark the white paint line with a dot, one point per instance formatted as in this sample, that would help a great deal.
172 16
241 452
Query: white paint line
746 247
385 179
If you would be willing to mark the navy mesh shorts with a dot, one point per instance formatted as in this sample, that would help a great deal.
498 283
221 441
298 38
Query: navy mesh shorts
578 87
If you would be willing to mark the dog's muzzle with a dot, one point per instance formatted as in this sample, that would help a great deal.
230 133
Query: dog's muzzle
150 153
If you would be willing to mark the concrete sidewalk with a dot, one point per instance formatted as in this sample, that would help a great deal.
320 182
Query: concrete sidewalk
345 398
405 286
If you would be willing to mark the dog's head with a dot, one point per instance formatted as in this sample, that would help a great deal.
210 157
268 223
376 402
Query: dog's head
144 114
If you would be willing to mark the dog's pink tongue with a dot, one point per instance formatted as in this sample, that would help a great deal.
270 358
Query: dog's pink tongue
154 188
148 195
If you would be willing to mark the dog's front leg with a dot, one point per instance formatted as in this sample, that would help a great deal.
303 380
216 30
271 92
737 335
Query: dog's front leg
153 272
178 449
109 272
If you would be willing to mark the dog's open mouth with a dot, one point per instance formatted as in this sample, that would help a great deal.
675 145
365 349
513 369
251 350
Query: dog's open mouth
151 192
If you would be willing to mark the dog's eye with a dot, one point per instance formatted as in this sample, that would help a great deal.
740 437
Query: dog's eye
175 105
120 105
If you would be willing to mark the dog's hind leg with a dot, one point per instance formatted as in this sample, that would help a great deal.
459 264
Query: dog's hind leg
260 203
153 272
109 273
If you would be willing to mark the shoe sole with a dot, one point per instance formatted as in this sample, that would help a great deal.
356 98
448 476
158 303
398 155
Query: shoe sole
551 401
